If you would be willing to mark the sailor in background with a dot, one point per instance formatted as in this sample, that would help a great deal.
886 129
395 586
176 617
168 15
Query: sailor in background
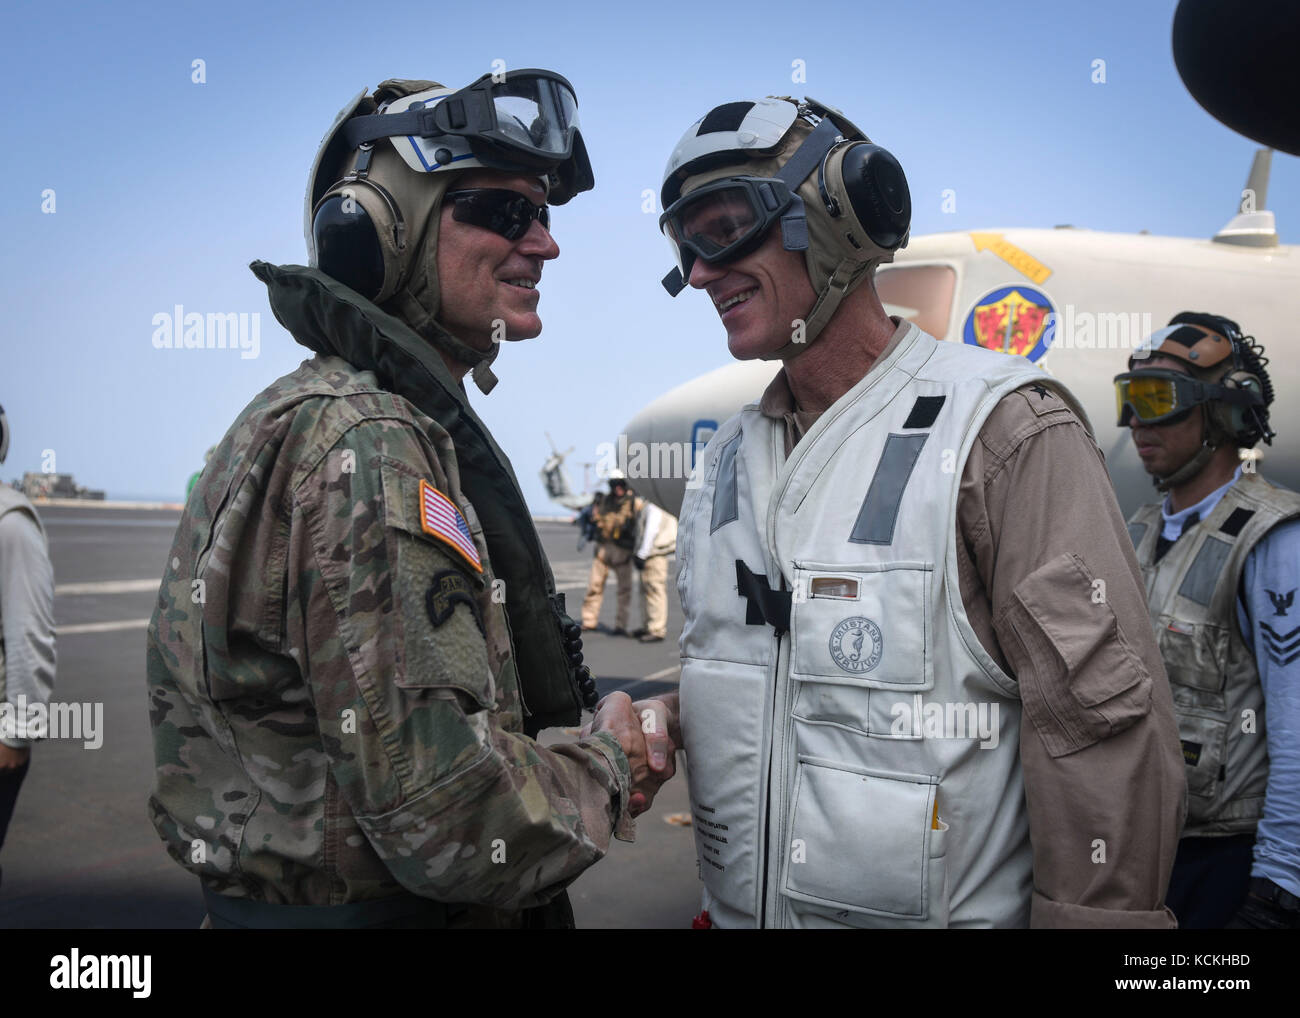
1220 556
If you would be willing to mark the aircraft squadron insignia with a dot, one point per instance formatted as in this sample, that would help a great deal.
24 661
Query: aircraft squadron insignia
856 645
1017 320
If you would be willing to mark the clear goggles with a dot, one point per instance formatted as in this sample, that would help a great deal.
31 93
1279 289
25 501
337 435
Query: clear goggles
1160 396
527 113
723 220
525 119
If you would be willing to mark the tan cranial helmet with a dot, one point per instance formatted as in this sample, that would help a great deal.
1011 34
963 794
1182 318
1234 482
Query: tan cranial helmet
841 200
1226 381
383 169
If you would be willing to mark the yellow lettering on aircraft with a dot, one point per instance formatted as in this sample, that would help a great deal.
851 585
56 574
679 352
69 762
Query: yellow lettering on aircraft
1022 261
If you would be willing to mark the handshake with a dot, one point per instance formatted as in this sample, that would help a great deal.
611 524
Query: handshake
650 735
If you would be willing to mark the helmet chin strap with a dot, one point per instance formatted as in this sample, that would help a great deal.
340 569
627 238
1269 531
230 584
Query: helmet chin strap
843 281
1194 465
1188 470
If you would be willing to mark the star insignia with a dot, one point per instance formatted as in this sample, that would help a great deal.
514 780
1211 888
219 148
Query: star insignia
1043 392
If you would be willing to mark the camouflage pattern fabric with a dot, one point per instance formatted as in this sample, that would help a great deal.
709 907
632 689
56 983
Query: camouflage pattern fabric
336 714
615 519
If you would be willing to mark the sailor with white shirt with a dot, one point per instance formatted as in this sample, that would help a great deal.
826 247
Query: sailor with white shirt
1221 561
26 634
658 540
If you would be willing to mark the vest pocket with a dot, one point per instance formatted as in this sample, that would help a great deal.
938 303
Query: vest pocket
1204 742
881 713
1194 654
863 849
1080 679
862 625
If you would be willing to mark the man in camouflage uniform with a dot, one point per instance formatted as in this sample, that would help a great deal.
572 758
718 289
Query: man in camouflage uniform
348 661
615 517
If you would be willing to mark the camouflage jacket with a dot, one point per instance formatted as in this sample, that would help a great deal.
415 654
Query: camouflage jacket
335 709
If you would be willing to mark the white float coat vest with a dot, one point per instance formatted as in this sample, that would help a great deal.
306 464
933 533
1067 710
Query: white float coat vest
13 501
819 795
1192 594
664 539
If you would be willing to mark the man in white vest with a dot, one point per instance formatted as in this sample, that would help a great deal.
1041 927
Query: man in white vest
918 687
1220 556
27 656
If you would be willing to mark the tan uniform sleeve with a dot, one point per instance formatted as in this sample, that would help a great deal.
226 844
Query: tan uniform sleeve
1053 589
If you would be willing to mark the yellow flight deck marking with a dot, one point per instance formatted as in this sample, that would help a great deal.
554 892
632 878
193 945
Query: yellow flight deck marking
1022 261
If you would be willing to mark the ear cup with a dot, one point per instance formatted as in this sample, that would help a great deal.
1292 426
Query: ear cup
871 182
347 245
1238 421
359 234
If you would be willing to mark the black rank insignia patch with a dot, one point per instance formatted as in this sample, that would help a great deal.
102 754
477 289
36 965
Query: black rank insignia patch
448 589
1282 647
1281 601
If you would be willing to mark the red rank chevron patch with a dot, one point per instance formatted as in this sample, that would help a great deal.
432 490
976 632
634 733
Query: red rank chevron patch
440 518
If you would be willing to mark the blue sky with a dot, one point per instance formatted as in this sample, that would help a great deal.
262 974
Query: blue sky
166 189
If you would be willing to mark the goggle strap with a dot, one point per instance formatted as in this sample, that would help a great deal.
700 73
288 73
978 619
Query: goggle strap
374 126
1201 392
1236 397
794 226
808 156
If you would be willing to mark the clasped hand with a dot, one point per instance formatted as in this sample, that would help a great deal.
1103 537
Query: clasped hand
649 734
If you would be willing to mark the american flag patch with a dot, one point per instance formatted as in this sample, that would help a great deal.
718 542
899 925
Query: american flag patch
440 518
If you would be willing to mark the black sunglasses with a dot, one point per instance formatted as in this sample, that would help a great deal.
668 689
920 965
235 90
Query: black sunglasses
498 209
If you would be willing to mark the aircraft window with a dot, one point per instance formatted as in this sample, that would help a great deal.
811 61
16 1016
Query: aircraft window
922 294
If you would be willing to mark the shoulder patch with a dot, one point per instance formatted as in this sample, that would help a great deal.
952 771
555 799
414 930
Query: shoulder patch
446 590
439 518
1043 399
